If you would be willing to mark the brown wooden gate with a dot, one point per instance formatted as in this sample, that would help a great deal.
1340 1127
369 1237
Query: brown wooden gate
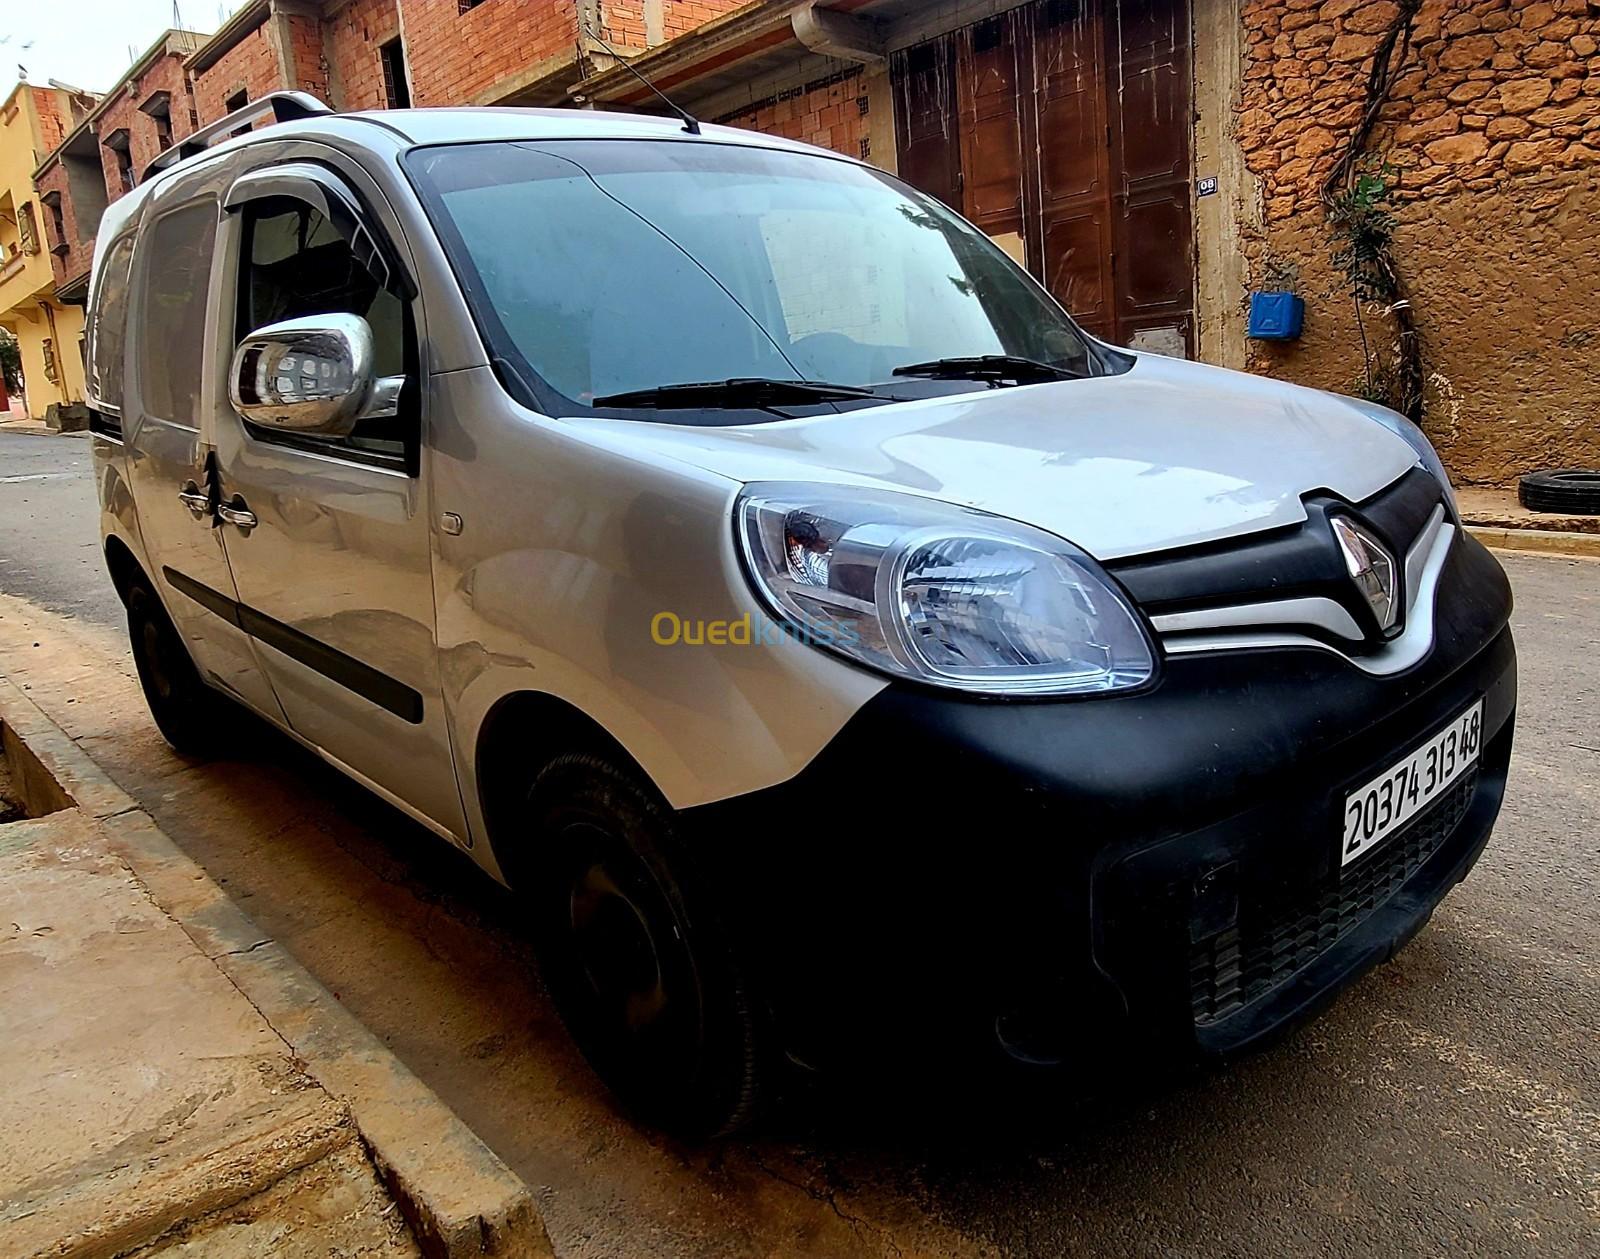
1062 128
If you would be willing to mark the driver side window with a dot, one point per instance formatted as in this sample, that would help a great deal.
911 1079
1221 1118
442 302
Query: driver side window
295 262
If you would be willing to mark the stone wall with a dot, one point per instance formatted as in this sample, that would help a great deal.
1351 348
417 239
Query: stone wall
1493 132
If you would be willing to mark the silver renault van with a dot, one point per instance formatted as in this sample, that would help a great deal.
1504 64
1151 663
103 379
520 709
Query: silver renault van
848 660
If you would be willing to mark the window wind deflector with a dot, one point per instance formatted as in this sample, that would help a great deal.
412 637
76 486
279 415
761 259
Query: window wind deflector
991 367
756 393
326 193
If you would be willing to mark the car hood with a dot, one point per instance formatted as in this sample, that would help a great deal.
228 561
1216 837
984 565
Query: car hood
1168 454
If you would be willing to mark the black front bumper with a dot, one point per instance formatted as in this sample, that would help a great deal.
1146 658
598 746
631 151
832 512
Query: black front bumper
1065 879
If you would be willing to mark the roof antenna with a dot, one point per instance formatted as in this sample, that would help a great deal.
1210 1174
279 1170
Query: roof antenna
691 124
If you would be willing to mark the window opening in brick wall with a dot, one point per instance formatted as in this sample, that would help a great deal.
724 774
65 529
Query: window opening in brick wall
236 102
122 152
396 87
58 222
28 228
159 108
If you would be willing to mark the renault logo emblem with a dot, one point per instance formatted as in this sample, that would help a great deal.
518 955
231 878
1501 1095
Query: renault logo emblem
1372 569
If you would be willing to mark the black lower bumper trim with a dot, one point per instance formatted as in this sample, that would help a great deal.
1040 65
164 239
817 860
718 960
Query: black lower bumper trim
1243 964
948 867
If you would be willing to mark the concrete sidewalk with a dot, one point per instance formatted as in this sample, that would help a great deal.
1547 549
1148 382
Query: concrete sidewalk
1497 519
1500 509
12 423
172 1083
148 1107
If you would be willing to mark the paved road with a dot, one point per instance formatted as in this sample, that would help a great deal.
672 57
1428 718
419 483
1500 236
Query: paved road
50 551
1446 1105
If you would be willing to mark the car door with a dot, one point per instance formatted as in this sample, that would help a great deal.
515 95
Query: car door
328 538
169 452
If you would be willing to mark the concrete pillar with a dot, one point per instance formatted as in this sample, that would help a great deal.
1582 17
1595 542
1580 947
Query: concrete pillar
1225 219
879 91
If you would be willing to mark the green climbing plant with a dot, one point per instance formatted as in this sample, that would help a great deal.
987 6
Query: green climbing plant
10 362
1359 196
1363 228
1363 223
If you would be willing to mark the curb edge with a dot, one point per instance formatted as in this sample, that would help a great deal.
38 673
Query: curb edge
458 1196
1538 541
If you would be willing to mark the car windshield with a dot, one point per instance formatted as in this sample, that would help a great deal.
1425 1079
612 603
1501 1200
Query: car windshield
603 268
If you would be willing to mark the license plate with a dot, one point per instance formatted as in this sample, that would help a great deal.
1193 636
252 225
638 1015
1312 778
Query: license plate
1376 811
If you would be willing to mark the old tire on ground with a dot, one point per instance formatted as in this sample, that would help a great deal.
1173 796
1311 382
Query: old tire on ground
185 709
1569 491
633 952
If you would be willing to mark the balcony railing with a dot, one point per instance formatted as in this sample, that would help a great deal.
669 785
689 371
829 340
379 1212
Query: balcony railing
12 266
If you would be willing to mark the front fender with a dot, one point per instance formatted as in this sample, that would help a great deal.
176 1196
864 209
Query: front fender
570 552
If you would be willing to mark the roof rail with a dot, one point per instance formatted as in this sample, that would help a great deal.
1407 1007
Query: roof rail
282 106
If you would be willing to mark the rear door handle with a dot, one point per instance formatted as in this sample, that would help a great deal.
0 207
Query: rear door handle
237 513
196 500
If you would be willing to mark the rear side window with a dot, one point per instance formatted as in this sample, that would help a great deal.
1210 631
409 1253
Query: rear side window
108 327
176 275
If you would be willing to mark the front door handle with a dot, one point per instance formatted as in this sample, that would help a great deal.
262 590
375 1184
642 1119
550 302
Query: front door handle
195 499
237 513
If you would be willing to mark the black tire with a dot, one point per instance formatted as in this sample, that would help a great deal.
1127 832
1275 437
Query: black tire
1569 491
185 709
634 953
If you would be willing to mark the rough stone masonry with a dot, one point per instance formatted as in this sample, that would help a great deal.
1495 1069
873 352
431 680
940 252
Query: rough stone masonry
1493 130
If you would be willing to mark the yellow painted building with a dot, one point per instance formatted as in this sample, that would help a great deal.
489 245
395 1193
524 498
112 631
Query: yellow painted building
50 333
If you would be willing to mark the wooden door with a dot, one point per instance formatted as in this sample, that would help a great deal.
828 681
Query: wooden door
1070 122
925 119
991 85
1075 177
1152 121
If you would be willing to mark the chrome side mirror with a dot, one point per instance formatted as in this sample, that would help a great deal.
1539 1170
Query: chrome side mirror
312 376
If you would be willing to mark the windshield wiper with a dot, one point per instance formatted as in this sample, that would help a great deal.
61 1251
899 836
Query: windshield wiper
755 392
994 367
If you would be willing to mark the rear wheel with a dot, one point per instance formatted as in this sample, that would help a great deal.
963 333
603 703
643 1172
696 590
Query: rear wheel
634 955
184 707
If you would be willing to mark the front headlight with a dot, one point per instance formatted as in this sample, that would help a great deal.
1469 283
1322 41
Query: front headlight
940 594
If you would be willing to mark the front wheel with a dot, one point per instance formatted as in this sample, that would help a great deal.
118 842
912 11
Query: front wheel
634 954
184 707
